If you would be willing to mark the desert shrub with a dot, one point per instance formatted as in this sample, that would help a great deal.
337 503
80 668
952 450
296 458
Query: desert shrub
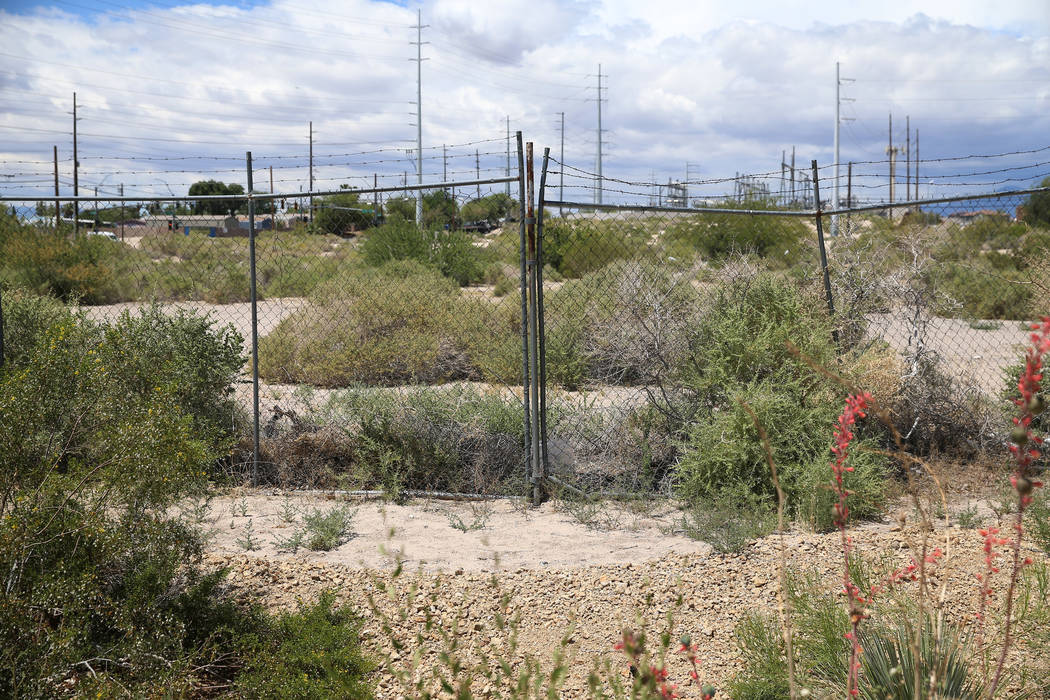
451 252
623 324
313 652
27 317
729 518
982 290
738 353
48 263
436 438
183 354
577 247
388 325
777 239
91 465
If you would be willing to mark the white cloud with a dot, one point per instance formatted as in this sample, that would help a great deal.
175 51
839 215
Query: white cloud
727 87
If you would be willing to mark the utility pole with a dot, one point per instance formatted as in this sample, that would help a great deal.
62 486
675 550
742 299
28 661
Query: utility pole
58 205
600 184
477 171
311 172
561 169
419 112
838 122
907 157
76 180
892 153
273 202
94 226
792 174
375 199
444 163
122 211
916 164
508 155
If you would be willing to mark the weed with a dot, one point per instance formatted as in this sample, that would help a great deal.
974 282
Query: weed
480 514
247 540
728 519
239 508
969 518
288 512
327 529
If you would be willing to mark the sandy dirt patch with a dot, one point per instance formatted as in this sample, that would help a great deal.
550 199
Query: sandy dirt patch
449 536
270 312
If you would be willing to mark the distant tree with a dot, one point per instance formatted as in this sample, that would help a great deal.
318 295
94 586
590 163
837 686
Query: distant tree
1036 209
217 207
490 208
403 208
439 209
340 213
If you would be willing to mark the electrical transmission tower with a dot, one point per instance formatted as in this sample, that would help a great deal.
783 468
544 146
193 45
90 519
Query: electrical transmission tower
419 27
599 99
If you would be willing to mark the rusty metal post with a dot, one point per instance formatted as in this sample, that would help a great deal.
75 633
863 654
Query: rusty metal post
255 325
541 330
534 384
823 252
523 257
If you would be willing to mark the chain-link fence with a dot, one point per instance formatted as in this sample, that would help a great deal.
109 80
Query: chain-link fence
599 347
389 354
661 321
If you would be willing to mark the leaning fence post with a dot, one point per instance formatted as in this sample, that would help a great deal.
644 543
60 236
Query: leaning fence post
255 326
523 254
534 385
823 253
540 330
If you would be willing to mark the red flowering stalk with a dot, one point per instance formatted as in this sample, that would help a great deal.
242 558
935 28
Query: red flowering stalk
855 407
1024 445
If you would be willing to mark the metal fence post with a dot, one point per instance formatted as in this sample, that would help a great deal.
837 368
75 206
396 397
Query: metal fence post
823 253
526 384
541 330
255 326
534 384
1 330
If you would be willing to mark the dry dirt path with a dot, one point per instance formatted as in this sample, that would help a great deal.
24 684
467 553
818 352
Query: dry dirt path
567 581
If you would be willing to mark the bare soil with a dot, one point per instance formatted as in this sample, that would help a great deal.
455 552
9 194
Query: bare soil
569 582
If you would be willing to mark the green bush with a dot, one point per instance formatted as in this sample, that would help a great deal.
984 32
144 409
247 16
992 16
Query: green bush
729 518
778 239
738 353
983 290
311 653
182 354
577 247
387 325
104 431
452 253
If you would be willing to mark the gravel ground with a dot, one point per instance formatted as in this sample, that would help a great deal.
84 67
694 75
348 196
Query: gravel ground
572 597
270 312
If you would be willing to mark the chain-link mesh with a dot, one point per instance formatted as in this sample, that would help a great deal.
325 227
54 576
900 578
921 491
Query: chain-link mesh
390 356
407 338
658 322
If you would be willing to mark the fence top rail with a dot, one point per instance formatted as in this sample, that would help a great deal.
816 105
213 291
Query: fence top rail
936 200
261 196
549 203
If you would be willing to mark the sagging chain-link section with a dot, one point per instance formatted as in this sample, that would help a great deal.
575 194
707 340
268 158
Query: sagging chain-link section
379 355
656 320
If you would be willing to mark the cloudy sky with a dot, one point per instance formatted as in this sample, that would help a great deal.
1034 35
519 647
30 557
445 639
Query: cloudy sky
171 92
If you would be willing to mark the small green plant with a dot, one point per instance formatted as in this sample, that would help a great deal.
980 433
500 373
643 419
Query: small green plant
480 514
327 529
969 518
288 512
247 541
728 519
890 659
239 508
313 652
